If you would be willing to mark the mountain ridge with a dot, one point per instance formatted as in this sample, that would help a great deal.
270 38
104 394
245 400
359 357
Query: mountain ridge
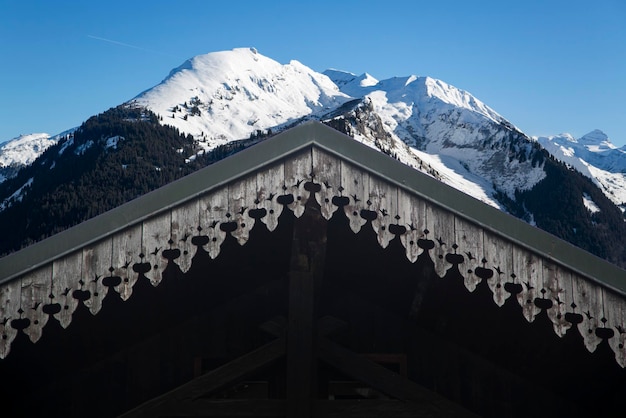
217 99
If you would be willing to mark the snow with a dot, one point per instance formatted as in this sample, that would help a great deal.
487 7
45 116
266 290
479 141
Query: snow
16 196
590 204
24 149
455 174
594 156
81 149
447 125
238 93
112 141
66 145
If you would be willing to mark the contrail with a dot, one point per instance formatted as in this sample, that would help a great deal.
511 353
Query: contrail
111 41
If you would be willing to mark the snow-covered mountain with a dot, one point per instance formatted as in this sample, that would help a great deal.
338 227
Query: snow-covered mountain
229 95
223 97
467 143
429 124
21 151
594 156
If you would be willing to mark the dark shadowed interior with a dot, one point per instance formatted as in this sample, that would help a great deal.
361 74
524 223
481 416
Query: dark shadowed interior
427 330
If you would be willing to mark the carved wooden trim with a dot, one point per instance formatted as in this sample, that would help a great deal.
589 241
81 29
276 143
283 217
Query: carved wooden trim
536 282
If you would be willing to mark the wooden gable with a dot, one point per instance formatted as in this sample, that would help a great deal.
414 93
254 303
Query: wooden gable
312 166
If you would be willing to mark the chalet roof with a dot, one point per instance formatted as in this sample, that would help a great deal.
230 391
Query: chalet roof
108 252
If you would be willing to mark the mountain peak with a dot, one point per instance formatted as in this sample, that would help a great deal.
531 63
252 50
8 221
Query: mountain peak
595 137
350 83
226 95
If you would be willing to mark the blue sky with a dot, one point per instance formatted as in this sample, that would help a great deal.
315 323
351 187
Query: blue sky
548 66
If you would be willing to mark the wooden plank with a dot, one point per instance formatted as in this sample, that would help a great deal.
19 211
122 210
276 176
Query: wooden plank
412 216
499 256
241 197
354 185
556 282
615 313
211 381
10 301
298 171
35 288
527 272
469 238
66 272
326 173
213 210
383 200
185 222
300 374
567 298
96 264
126 249
269 187
440 227
588 298
154 239
388 382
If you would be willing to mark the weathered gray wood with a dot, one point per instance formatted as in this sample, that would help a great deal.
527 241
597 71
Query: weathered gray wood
327 173
155 236
382 199
469 238
528 273
96 265
126 249
499 256
269 186
34 294
556 283
440 227
615 313
355 184
10 300
211 381
185 222
241 197
412 216
66 272
588 298
213 210
297 172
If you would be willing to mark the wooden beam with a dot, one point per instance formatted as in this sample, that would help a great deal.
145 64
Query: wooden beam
238 368
300 373
388 382
308 253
